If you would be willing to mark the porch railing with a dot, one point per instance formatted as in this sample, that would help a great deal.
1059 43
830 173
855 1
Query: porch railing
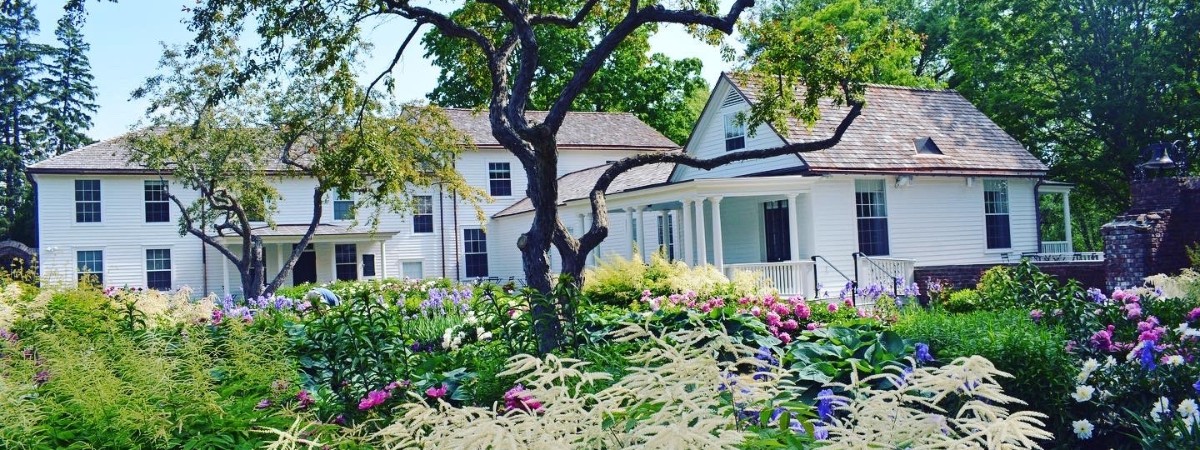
786 277
890 273
1056 247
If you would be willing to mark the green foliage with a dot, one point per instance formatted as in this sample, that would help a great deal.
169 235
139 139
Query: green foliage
1193 254
830 355
1043 371
960 301
618 281
1021 286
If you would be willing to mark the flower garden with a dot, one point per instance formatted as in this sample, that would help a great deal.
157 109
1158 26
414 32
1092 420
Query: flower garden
653 356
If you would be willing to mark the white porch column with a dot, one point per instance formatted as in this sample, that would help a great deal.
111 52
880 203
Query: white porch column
718 246
225 274
583 229
629 230
1067 221
686 228
383 259
701 235
279 257
641 220
793 226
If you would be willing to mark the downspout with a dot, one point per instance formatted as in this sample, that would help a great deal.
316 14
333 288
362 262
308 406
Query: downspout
1037 211
204 265
457 256
442 225
37 235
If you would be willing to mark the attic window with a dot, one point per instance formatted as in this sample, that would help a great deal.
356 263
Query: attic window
732 98
926 146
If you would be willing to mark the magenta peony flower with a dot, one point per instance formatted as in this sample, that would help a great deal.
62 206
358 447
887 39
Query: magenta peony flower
373 399
786 338
833 307
789 324
437 392
517 398
304 399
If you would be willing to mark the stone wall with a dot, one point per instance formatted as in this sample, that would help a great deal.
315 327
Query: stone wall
1152 236
1088 273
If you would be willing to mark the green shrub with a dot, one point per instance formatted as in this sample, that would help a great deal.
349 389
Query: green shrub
996 284
1043 372
1022 286
961 301
618 281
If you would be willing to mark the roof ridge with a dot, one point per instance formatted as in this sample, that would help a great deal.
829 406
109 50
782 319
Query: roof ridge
732 74
100 142
614 113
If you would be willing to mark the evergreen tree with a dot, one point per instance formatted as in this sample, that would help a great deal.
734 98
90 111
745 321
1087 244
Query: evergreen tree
20 59
70 96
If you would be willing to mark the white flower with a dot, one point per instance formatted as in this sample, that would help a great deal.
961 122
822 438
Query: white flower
1174 360
1083 428
1083 393
1091 365
479 331
446 338
485 336
1182 328
1187 408
1161 408
1110 361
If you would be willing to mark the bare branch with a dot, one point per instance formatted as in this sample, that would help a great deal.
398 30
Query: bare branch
190 225
599 229
573 22
395 60
609 43
443 23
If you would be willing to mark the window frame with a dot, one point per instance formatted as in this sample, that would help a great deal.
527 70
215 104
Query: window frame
666 235
475 253
404 272
98 202
351 263
164 202
422 222
871 208
991 219
505 182
368 261
734 141
169 270
79 273
347 203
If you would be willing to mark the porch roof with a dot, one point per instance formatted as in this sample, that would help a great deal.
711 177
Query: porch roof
324 232
578 185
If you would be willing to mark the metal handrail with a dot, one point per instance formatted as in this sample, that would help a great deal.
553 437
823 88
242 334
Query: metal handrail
817 284
895 277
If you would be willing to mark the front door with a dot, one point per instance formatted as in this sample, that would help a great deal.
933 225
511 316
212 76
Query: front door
305 270
778 235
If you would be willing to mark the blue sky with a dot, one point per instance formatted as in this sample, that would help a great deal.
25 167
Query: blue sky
126 41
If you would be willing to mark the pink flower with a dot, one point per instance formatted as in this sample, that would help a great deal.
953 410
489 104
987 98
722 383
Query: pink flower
755 311
862 312
1133 311
803 312
437 392
1102 340
373 399
217 315
517 398
813 325
1036 315
833 307
786 338
304 399
773 319
789 324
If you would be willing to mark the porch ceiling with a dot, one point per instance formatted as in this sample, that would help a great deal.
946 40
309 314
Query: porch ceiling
324 233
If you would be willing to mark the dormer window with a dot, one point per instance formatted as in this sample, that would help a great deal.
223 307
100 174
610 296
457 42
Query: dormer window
735 133
926 146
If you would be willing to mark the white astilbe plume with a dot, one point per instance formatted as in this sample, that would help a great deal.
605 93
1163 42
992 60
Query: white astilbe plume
913 416
669 400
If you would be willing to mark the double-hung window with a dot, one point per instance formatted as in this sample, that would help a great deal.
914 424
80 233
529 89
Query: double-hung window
368 265
158 269
343 208
735 133
666 235
87 200
345 261
158 206
89 265
500 179
995 212
871 207
475 252
422 214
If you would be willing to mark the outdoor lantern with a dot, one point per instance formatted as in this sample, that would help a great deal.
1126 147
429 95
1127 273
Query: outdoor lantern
1160 156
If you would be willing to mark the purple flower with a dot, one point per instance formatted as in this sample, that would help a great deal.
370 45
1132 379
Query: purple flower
825 404
1096 295
217 315
263 404
437 392
1196 386
820 433
305 399
1193 315
373 399
1146 354
340 419
921 354
42 377
517 398
1036 315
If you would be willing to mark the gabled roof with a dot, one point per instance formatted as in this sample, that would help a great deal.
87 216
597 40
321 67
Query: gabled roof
882 139
578 185
580 130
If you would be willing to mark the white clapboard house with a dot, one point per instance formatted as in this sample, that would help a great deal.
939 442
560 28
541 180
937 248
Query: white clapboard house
922 178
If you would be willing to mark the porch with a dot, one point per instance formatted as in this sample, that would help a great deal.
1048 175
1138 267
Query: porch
334 253
1055 237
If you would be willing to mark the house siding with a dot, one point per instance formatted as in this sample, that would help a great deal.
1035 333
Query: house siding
709 142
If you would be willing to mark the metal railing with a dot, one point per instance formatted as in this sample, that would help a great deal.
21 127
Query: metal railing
817 283
896 270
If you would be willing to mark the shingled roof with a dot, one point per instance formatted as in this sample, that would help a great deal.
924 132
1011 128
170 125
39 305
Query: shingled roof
882 138
111 156
578 185
580 130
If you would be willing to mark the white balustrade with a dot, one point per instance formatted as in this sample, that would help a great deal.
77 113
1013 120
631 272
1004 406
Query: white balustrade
786 277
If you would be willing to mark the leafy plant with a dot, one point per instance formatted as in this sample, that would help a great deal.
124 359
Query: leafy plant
961 301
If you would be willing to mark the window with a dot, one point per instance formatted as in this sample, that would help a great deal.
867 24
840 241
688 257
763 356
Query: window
90 266
413 269
735 133
475 249
666 235
423 214
343 208
500 178
871 202
87 200
345 261
158 206
368 265
158 269
995 211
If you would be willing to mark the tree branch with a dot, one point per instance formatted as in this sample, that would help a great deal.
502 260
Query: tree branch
599 229
573 22
395 60
298 249
443 23
190 225
609 43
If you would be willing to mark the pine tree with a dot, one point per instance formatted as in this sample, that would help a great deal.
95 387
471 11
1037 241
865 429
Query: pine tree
20 60
70 96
